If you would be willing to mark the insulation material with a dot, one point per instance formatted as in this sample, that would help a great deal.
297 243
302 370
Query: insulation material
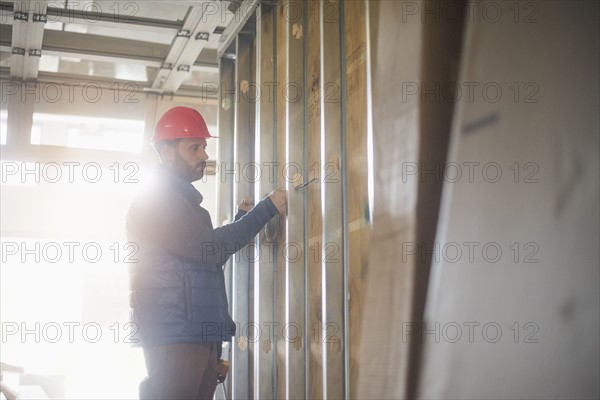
513 305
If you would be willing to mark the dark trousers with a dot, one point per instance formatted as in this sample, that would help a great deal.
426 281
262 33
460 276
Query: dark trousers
181 371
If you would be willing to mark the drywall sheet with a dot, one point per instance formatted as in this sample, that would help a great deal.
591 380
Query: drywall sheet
513 305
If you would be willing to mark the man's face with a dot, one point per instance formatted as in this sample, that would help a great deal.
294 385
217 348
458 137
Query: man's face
188 158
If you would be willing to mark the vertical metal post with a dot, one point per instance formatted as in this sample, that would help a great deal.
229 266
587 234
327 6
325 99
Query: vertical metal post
344 178
334 301
308 178
226 180
370 150
314 213
280 297
243 155
264 272
294 330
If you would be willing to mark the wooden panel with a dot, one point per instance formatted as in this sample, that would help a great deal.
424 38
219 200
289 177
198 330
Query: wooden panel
395 52
294 329
356 175
315 226
264 277
333 263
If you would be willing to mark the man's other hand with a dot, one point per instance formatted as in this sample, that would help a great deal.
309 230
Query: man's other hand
279 198
247 204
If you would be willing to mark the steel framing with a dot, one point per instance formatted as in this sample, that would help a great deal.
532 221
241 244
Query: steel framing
286 285
266 144
243 156
225 210
295 249
334 301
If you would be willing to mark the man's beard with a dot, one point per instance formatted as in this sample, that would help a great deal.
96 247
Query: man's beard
188 172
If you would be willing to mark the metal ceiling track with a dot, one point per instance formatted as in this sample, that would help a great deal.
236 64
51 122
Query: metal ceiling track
93 47
29 18
192 38
74 16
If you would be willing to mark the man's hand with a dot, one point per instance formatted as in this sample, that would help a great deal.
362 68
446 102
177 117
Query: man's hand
279 198
247 204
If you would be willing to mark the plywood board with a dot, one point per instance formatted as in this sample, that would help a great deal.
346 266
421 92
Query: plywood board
357 175
395 52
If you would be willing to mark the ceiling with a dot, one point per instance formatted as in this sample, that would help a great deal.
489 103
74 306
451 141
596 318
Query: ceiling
162 46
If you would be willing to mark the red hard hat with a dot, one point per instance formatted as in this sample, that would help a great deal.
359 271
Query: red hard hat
180 123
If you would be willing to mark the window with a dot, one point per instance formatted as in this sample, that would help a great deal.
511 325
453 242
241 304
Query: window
95 133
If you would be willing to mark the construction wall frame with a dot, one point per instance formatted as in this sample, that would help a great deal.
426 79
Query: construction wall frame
302 291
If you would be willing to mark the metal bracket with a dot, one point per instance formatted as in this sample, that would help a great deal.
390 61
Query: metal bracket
21 16
202 36
40 18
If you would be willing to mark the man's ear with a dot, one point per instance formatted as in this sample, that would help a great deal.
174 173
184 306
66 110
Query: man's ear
166 153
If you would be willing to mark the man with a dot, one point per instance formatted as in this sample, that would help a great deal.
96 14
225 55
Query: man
178 297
